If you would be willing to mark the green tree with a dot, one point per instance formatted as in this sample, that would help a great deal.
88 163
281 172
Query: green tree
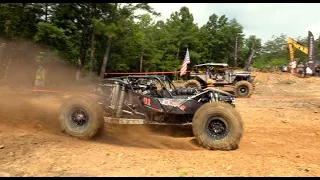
274 52
181 34
252 43
99 37
218 37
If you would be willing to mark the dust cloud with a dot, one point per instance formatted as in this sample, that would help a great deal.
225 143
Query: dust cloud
19 61
39 112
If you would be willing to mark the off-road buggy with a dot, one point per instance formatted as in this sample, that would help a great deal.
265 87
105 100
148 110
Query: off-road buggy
152 99
220 74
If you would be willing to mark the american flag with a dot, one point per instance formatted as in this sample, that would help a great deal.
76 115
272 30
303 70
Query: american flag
186 61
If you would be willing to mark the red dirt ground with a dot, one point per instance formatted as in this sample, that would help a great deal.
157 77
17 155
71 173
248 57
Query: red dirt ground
282 132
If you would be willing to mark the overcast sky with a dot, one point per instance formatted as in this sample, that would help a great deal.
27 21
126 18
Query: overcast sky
260 19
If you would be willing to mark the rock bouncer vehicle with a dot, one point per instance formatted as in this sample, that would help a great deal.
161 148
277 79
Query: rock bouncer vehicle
220 74
154 100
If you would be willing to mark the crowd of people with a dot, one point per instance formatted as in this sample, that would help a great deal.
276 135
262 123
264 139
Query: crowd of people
303 68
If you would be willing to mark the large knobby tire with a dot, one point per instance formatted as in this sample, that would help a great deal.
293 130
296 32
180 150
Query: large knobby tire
224 116
243 89
193 84
87 107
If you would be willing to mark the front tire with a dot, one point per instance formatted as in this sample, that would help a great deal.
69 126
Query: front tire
217 126
81 117
243 89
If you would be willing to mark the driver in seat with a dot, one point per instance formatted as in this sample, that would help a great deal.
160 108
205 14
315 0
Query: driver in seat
209 71
152 91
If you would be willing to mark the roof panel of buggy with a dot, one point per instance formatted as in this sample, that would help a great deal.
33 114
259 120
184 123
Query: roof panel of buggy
213 64
124 78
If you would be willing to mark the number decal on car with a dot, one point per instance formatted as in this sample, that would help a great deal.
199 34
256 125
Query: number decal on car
147 101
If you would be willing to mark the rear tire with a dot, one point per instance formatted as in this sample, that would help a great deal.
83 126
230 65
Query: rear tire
222 114
193 84
81 116
243 89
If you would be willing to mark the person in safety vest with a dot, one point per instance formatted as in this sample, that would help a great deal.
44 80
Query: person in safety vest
40 77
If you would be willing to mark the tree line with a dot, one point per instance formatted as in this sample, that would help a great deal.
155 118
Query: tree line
99 37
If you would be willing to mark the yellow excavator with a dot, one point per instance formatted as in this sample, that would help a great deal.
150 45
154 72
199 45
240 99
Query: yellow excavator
310 51
293 44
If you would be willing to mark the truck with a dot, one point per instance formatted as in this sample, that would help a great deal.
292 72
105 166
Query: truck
219 75
154 100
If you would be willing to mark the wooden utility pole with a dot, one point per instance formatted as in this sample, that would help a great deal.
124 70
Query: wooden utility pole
141 61
250 59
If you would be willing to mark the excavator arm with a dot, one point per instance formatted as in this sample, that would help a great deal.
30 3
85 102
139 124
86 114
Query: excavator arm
293 44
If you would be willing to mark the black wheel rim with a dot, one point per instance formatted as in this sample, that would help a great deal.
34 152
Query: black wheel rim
217 128
243 90
78 119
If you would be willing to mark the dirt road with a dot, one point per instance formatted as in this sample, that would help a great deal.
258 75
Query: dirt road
282 133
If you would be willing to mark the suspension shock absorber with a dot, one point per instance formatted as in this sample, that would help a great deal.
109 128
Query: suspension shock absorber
214 96
115 95
120 103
